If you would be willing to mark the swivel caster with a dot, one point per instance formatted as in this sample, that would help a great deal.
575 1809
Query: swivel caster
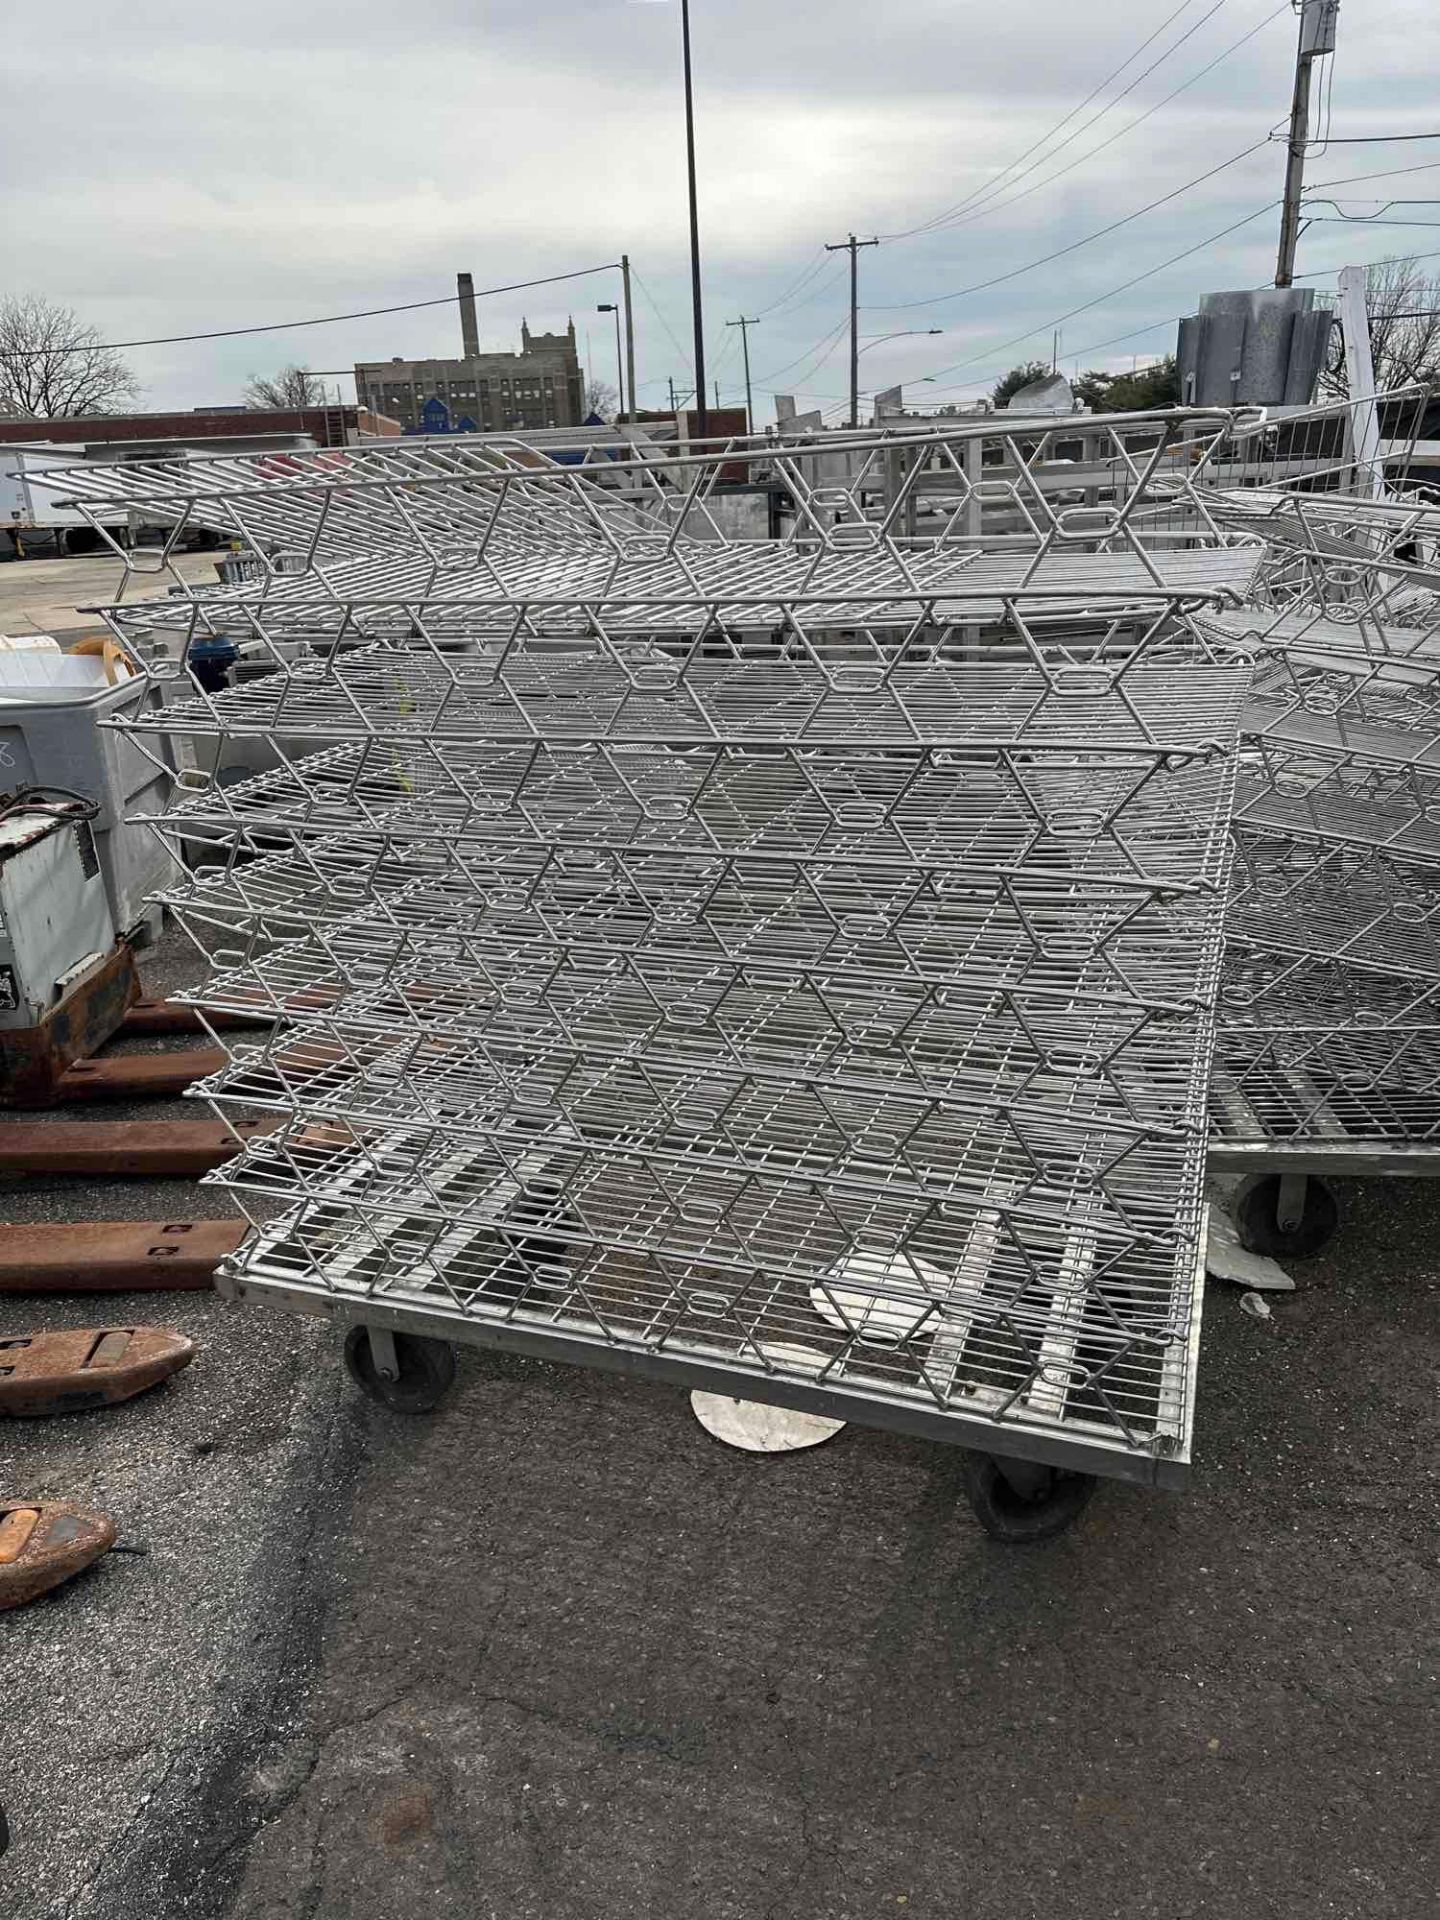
1020 1502
1286 1214
402 1371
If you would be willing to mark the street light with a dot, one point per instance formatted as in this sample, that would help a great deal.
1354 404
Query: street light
879 339
904 333
609 306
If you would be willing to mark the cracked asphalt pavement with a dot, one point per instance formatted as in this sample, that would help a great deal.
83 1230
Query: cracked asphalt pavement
552 1651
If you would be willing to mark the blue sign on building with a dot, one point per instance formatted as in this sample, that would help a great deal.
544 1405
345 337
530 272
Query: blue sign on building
434 416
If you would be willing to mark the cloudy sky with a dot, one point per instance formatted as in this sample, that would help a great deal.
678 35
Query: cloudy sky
177 168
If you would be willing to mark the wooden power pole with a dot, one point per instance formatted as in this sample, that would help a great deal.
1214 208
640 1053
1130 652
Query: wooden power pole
1317 37
852 246
745 326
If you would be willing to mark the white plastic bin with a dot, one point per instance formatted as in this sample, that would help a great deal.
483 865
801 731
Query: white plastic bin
51 708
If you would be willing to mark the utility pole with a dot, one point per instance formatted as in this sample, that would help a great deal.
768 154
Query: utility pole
852 247
701 420
1317 37
745 326
672 393
629 334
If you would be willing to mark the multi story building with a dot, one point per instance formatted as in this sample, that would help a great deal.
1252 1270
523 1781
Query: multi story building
541 386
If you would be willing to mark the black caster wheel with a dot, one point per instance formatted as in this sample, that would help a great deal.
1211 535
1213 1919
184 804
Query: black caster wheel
1019 1502
425 1371
1287 1215
535 1268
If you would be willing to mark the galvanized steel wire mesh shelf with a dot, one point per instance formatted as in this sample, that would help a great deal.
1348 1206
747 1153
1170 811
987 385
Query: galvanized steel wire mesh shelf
1330 1025
788 967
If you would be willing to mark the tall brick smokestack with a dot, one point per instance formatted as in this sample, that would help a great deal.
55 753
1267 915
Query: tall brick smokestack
469 323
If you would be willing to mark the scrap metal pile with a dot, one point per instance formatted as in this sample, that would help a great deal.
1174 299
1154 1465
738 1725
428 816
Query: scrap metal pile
788 966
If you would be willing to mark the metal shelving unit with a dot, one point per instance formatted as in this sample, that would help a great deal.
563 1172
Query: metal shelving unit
784 969
1329 1055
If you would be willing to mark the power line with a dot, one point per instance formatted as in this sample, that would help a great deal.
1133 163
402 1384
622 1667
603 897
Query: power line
819 289
997 206
1370 139
827 341
686 359
998 184
1385 173
1392 260
807 273
325 320
981 286
1047 326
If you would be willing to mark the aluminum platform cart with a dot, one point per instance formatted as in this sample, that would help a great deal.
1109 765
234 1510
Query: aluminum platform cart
786 969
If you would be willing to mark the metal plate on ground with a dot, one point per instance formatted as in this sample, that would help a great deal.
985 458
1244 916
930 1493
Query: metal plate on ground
754 1427
80 1367
864 1296
43 1542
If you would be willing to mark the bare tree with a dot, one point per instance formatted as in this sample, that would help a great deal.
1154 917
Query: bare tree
52 363
290 387
1404 329
601 398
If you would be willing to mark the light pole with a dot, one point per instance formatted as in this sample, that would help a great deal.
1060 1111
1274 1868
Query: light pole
609 306
701 413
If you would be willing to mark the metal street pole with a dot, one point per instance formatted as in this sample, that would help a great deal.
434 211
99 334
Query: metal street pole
745 326
609 306
1317 37
629 335
701 415
852 247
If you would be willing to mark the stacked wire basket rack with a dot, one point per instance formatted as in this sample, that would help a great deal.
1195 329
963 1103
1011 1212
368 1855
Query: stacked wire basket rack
1329 1057
786 967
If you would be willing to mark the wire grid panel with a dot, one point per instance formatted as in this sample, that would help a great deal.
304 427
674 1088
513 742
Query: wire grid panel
1328 1027
1313 1050
1313 450
851 493
935 988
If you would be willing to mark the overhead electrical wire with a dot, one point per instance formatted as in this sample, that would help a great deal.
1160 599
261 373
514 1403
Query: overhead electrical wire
1372 139
1392 260
981 286
1385 173
807 273
1129 127
324 320
818 290
1048 326
686 358
825 346
998 184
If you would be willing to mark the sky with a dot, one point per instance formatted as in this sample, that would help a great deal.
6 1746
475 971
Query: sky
185 168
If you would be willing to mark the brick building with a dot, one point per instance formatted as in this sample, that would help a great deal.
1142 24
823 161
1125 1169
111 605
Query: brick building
541 386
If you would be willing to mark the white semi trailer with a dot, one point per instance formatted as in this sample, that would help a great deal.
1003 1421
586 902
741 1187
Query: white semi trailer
30 517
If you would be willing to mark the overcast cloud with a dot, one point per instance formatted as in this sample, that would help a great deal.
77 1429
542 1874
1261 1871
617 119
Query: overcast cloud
172 168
